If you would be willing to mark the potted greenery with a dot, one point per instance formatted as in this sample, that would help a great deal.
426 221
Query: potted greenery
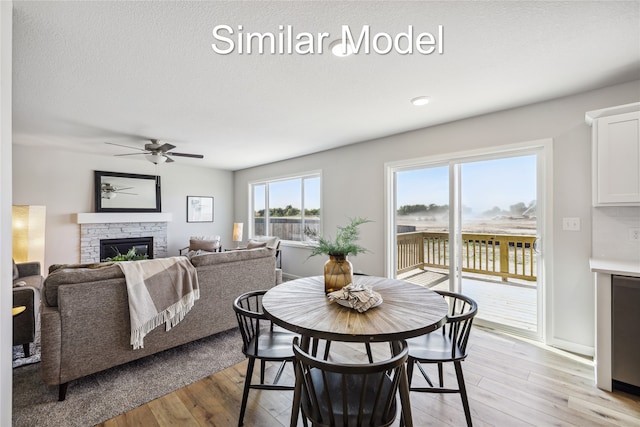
131 255
338 271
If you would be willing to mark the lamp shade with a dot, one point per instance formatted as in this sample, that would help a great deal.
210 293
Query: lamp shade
28 228
237 231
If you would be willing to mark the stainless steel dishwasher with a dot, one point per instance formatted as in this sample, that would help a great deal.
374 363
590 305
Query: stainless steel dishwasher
626 333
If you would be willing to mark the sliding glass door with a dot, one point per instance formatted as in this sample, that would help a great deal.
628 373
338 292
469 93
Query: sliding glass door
498 231
472 224
423 224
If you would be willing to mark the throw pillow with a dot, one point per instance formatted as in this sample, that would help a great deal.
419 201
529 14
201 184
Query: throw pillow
16 274
191 254
252 244
271 241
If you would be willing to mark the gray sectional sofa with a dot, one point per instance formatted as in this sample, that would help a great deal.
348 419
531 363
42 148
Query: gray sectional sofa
85 312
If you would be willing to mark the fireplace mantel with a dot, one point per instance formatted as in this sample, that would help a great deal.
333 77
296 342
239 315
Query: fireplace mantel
122 217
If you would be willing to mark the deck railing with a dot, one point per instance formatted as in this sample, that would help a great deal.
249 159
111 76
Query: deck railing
504 256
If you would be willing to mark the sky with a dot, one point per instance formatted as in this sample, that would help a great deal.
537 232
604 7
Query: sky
485 184
287 192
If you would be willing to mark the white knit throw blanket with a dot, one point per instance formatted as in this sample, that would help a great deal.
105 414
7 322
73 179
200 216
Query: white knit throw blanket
160 291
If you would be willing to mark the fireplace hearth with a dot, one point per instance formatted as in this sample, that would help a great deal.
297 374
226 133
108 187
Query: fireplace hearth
113 247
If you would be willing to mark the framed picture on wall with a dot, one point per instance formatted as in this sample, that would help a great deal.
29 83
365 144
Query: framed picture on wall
199 209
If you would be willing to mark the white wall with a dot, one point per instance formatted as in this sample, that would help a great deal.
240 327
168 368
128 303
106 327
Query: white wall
63 182
353 185
6 330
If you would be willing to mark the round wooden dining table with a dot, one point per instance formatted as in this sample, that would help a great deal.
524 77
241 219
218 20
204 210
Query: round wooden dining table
407 310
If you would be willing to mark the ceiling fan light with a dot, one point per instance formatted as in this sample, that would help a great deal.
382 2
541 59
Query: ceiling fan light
156 158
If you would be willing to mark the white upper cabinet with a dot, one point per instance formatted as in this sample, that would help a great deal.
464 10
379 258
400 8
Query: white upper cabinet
616 155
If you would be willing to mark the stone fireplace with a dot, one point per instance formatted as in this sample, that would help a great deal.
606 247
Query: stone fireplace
95 227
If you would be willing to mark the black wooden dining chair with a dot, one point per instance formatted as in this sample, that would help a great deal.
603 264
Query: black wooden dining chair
260 340
448 344
336 394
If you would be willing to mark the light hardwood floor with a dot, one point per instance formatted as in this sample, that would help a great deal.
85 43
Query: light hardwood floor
511 382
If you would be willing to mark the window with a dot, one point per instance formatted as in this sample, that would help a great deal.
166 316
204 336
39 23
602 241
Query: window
286 207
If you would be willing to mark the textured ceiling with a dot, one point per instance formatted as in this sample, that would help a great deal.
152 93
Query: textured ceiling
90 72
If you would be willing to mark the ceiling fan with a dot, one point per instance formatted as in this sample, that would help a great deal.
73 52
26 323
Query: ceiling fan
110 191
157 153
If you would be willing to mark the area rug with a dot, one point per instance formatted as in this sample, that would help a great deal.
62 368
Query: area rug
102 396
18 355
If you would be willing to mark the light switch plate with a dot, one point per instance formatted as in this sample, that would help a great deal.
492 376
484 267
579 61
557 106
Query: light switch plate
634 234
571 224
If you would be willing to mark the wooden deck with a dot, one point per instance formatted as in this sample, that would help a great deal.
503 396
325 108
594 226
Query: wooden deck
502 303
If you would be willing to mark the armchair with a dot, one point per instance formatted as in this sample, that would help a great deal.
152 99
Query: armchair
27 285
202 243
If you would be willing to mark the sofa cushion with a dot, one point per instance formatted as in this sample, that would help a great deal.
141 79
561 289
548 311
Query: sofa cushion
231 256
15 270
62 274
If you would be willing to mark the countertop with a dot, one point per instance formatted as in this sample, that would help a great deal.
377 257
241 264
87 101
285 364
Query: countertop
624 268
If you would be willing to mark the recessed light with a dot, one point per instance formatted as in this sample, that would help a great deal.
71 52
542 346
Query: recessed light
341 49
420 101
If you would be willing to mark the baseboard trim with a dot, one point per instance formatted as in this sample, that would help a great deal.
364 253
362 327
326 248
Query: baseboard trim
584 350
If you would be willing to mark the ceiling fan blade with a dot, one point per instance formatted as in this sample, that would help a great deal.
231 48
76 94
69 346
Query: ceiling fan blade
155 149
126 146
195 156
131 194
166 147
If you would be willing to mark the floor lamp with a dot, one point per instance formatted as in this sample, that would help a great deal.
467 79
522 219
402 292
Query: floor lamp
237 233
28 231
